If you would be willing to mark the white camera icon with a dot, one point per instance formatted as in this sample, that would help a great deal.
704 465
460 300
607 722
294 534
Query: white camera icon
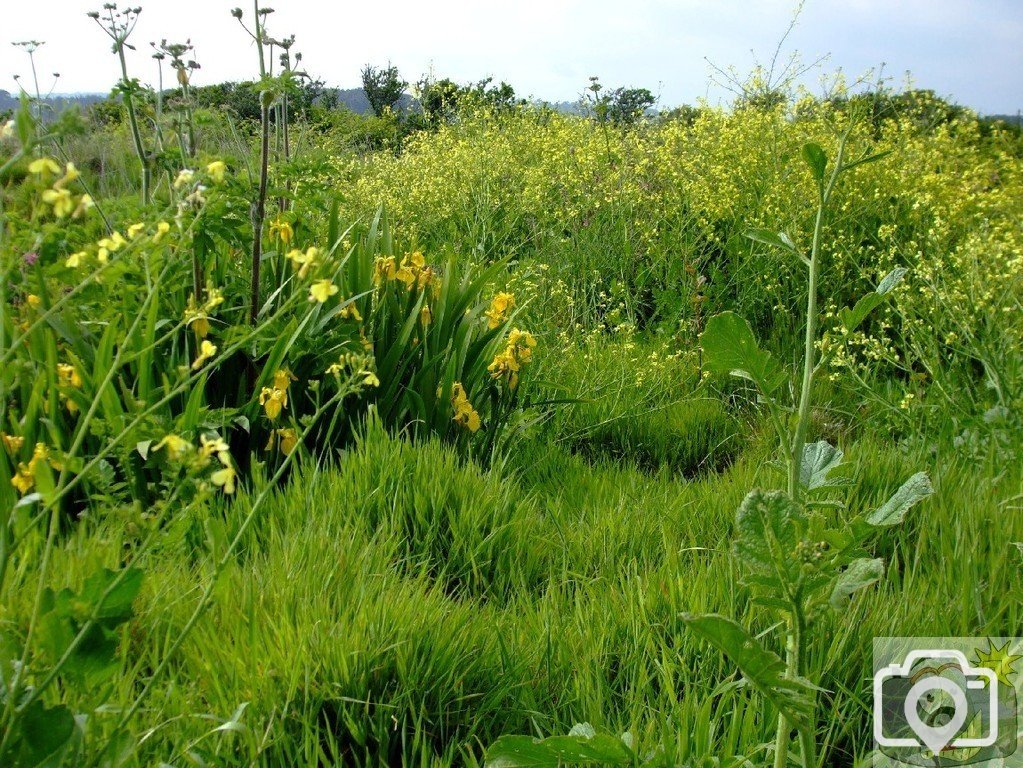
937 737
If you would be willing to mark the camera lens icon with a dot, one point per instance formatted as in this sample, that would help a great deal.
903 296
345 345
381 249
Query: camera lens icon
935 700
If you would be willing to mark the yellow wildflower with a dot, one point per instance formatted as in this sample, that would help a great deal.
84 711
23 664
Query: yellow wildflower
225 478
285 438
12 443
350 311
206 350
162 229
322 290
216 170
70 174
43 166
425 315
214 298
75 260
69 375
176 446
303 262
283 378
33 301
500 306
61 200
7 130
184 177
135 230
24 478
465 414
109 245
281 229
214 445
369 379
273 400
85 202
384 268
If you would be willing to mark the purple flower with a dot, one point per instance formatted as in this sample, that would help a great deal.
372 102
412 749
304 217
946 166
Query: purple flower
30 258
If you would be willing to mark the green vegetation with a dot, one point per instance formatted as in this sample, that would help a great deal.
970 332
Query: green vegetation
476 433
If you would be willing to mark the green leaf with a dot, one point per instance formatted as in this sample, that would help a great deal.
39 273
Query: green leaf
769 526
815 159
117 604
46 733
892 512
773 239
793 697
852 317
871 158
819 459
861 573
729 347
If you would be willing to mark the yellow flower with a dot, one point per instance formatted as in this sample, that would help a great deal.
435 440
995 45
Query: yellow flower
283 378
161 229
214 298
350 311
184 177
85 203
7 130
206 351
33 301
197 319
69 375
281 229
425 315
24 478
369 379
465 414
500 305
75 260
61 200
384 268
70 174
286 439
214 445
216 170
135 230
322 290
225 478
110 245
44 166
176 446
12 443
273 400
303 262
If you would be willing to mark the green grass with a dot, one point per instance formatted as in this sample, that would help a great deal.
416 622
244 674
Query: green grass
404 607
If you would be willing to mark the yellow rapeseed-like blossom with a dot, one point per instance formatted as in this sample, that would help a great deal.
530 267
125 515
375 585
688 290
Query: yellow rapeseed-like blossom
61 200
135 230
322 290
208 446
44 166
184 178
162 228
177 447
225 478
75 260
206 350
216 170
303 262
110 245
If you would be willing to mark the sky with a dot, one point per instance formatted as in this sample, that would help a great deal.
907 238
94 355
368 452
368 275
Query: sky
967 50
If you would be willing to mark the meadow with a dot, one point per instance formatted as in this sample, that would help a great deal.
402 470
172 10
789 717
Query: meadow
518 439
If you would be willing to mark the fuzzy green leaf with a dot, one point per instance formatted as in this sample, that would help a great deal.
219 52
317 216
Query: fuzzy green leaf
815 159
893 511
729 347
861 573
793 697
769 526
852 317
819 459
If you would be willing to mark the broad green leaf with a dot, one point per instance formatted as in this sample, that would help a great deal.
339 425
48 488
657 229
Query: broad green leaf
116 605
769 526
793 697
892 512
872 158
861 573
773 239
852 317
815 159
46 733
729 347
819 459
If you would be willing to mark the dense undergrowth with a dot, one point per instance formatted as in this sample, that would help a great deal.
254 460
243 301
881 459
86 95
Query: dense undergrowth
436 455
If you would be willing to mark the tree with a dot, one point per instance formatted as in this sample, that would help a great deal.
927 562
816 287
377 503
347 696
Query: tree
627 105
383 87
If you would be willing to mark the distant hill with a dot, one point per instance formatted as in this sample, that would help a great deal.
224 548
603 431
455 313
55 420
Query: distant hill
55 103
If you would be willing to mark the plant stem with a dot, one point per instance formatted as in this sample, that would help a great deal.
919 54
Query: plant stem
259 210
136 135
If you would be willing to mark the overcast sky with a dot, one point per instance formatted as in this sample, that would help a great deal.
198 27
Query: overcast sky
970 50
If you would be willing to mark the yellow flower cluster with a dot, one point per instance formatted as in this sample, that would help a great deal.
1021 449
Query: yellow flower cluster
281 229
361 365
58 196
412 271
198 318
465 414
285 438
69 378
275 398
24 478
179 449
517 353
500 306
